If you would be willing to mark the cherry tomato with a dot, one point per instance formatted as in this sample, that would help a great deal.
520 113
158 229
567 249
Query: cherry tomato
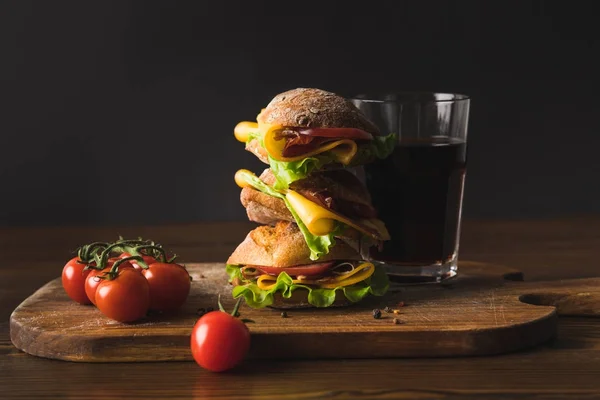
93 280
148 259
73 280
169 285
219 341
125 298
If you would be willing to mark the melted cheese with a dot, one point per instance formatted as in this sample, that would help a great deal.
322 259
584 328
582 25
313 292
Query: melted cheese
358 274
241 178
318 219
243 129
343 150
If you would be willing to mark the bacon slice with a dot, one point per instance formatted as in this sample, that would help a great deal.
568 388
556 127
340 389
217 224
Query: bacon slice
300 141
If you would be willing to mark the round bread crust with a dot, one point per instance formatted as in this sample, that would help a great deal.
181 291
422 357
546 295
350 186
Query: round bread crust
282 246
315 108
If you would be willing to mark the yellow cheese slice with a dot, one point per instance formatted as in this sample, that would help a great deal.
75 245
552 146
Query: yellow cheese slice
343 150
358 274
318 219
366 270
243 130
241 176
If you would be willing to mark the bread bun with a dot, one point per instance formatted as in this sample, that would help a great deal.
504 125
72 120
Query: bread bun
254 147
283 246
315 108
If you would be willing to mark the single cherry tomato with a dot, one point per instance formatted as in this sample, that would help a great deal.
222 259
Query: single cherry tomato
73 280
93 280
126 298
219 341
148 259
169 285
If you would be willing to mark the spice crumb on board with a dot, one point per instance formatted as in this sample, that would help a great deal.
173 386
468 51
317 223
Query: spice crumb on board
377 313
284 314
387 309
396 321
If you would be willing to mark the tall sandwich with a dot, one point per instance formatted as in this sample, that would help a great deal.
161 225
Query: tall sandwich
318 215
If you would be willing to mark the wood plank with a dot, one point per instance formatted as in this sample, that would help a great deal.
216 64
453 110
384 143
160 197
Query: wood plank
478 313
565 368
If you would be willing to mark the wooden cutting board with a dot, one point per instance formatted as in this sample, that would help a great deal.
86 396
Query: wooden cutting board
483 311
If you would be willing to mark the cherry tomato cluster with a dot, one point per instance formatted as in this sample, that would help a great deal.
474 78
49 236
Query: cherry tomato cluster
126 279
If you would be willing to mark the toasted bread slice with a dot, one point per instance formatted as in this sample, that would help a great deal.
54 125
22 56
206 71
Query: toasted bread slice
283 246
315 108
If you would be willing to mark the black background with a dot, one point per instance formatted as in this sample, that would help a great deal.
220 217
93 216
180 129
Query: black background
122 112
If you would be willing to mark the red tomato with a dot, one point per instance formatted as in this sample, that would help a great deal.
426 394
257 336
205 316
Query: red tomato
125 298
148 259
307 270
219 341
73 280
93 280
169 285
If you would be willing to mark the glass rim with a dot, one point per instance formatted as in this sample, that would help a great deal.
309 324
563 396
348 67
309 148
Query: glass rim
411 97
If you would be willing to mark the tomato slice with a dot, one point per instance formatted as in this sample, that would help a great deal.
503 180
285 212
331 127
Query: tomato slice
337 133
306 270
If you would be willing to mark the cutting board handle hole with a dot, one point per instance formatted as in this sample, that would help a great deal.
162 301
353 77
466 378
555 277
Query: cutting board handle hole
541 299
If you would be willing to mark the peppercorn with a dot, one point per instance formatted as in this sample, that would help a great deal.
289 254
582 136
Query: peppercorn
377 313
284 314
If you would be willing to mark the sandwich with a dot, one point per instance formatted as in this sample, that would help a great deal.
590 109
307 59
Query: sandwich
271 267
317 214
306 129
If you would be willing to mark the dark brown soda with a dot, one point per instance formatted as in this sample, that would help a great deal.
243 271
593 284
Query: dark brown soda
417 192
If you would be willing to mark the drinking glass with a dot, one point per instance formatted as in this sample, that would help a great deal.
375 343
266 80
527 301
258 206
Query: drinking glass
418 189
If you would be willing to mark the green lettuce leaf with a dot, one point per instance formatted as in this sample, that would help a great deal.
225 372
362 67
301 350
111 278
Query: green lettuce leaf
287 172
255 135
318 245
380 147
376 285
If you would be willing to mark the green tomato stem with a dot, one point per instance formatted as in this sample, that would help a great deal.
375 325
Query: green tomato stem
114 270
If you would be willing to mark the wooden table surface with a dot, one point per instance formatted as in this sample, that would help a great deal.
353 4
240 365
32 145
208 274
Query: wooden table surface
568 368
